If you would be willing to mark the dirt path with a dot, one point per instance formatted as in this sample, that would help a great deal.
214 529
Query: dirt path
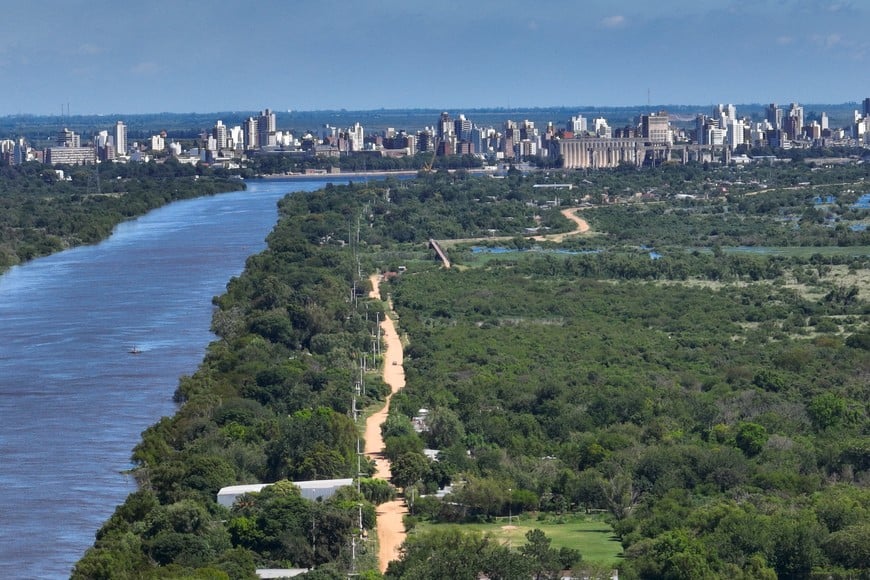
571 214
391 530
582 227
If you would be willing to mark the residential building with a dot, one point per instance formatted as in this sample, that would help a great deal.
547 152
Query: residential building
120 138
250 134
219 132
774 116
577 125
655 128
70 155
266 127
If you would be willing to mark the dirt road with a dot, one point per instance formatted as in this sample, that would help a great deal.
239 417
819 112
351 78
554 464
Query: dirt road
582 226
571 214
391 530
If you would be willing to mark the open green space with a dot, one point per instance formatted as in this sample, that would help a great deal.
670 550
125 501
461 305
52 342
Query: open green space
592 536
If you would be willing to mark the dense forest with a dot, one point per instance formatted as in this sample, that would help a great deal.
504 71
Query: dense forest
45 209
708 407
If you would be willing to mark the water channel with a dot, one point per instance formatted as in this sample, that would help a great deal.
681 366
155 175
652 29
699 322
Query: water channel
73 399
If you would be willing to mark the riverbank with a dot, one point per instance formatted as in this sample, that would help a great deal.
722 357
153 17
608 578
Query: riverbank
40 219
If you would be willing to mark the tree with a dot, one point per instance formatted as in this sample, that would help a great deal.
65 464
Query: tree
545 561
796 540
445 428
750 438
826 410
849 547
408 469
456 554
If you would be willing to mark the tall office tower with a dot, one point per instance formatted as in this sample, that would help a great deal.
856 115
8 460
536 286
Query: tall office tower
462 128
357 137
824 122
724 114
602 129
425 141
266 127
655 127
19 152
445 127
478 140
236 138
219 132
867 107
795 121
774 116
120 136
701 129
577 125
527 130
735 132
250 133
101 139
67 138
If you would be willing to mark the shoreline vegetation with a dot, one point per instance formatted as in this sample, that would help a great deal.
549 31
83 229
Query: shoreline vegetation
43 213
711 414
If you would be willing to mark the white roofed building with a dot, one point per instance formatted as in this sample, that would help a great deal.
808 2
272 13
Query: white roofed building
312 490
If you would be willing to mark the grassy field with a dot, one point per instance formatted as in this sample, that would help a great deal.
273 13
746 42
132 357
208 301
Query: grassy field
589 534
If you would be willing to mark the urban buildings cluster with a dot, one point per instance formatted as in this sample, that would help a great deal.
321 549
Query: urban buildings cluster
578 143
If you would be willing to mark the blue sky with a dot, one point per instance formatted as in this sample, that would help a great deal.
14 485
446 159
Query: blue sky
109 57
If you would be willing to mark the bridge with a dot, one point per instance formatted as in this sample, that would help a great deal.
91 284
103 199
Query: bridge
440 252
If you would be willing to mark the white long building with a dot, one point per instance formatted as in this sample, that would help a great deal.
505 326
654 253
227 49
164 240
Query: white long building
313 490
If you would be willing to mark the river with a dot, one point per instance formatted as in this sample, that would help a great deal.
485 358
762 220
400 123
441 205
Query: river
73 399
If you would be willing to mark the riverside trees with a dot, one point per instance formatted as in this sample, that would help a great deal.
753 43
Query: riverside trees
42 214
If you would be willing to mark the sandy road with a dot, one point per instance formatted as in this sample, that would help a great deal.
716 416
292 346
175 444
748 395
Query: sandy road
391 530
582 227
571 214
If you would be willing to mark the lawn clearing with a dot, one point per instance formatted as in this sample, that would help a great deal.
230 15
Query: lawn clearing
589 534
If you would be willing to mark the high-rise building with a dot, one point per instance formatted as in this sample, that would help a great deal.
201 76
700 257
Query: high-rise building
250 133
158 143
462 128
735 132
445 127
425 141
655 127
120 138
356 135
867 107
219 132
602 129
266 127
774 116
235 138
795 121
67 138
577 125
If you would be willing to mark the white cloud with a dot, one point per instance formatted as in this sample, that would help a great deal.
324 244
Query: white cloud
145 68
828 40
89 48
615 21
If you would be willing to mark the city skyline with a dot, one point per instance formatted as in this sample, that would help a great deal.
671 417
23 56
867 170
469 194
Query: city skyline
109 58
